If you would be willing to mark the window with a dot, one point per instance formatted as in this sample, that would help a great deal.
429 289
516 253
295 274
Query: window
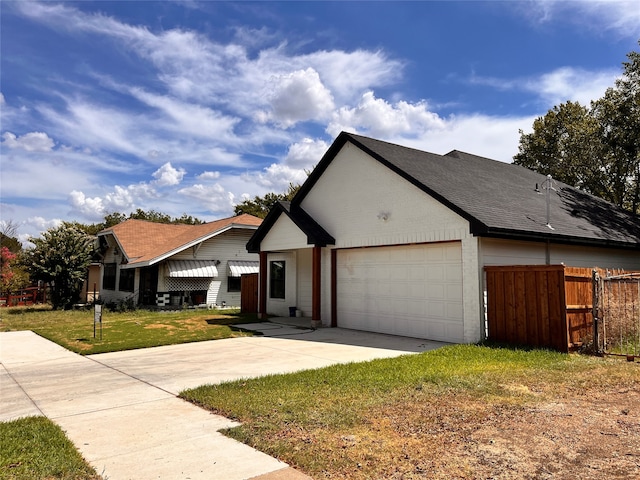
127 278
276 279
109 276
233 284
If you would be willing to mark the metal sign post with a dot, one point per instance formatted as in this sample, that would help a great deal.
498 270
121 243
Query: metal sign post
97 318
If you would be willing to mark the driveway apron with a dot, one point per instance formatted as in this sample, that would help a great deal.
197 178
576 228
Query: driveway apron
120 409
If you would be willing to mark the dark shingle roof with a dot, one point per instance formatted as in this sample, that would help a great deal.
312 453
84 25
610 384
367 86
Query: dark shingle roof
316 235
497 198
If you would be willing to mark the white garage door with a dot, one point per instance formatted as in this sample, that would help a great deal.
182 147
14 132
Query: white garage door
413 291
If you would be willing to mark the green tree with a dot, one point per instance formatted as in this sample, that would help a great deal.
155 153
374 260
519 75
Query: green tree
61 258
596 149
260 206
618 117
115 218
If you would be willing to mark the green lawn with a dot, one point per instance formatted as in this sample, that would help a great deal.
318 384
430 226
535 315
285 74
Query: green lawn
396 418
74 329
35 448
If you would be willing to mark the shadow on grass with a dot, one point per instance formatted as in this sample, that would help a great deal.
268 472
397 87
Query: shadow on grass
513 347
21 310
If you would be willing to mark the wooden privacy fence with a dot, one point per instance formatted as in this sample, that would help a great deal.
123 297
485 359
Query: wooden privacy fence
546 306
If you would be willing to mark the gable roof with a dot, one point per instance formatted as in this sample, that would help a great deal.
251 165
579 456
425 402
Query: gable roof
316 235
498 199
145 243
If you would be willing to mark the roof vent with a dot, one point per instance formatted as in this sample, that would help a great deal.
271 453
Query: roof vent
548 185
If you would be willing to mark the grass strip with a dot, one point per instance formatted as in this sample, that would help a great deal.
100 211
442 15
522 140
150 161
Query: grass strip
74 329
34 448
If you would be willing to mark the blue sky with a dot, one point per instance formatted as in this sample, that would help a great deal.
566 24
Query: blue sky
190 107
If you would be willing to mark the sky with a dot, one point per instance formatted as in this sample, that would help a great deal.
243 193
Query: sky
190 107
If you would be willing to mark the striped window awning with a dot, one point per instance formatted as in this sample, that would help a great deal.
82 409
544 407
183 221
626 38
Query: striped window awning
192 268
240 267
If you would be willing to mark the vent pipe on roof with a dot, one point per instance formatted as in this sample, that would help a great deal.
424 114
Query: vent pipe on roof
548 186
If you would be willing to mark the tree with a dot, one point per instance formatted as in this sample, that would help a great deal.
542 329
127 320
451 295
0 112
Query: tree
61 258
8 236
618 117
596 149
115 218
12 276
260 206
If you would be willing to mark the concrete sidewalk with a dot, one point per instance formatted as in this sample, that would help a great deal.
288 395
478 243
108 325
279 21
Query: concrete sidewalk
121 410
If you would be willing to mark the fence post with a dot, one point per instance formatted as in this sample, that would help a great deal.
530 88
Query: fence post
595 280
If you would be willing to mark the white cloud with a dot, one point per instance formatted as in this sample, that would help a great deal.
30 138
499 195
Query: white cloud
87 124
209 176
347 74
558 86
92 208
121 199
572 84
214 198
599 16
42 224
379 118
194 120
484 135
299 96
306 153
31 142
277 177
167 175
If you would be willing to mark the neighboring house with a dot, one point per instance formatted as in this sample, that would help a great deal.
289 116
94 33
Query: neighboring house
91 285
156 264
390 239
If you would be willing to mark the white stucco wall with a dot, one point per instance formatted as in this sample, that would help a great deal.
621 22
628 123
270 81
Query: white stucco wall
304 276
508 252
362 203
278 306
283 235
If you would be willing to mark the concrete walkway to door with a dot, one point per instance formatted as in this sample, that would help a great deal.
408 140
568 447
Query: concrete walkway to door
121 410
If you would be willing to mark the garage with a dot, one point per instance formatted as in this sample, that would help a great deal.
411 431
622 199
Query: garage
413 290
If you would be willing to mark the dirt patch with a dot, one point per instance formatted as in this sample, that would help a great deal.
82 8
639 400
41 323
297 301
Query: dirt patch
591 436
156 326
588 433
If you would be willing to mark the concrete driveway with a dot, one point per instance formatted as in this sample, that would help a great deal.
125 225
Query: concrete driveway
121 410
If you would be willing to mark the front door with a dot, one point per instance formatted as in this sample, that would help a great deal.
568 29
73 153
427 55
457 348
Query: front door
148 285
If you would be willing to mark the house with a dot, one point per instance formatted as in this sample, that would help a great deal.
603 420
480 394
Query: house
155 264
390 239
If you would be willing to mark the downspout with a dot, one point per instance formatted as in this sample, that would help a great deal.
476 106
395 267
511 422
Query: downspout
547 252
